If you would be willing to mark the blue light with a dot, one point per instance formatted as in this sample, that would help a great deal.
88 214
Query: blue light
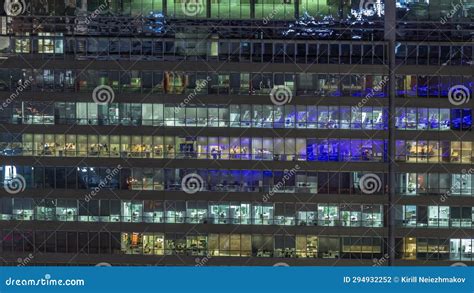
155 23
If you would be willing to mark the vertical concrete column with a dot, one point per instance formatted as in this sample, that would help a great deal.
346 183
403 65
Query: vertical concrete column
252 9
297 9
208 9
390 38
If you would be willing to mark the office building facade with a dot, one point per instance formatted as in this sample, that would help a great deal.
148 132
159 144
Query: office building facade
234 132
